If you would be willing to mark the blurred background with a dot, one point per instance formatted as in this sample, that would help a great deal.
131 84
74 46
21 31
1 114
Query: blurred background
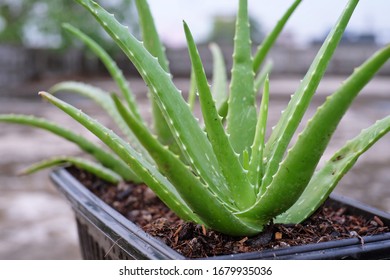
35 220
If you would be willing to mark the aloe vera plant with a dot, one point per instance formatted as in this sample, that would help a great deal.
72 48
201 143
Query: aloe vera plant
225 175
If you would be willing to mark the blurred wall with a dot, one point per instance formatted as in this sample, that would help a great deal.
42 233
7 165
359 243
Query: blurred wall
19 65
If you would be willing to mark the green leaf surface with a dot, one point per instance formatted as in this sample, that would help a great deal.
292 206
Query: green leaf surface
150 35
187 132
261 77
159 183
256 165
152 43
103 99
99 96
241 191
284 130
301 161
304 156
192 91
299 165
104 157
326 179
147 172
84 164
189 186
242 115
219 87
110 64
208 205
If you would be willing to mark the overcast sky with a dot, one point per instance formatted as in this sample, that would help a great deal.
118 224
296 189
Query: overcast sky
312 18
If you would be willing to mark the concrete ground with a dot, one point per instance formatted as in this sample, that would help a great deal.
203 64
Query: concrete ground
36 222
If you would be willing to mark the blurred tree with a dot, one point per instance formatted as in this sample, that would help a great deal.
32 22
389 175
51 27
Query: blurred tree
223 30
224 27
37 23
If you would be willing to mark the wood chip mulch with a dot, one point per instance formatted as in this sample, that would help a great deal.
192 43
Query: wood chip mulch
141 206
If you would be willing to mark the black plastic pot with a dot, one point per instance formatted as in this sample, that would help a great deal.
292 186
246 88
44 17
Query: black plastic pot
106 234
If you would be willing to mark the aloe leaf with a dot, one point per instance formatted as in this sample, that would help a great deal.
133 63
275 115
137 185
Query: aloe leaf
219 88
191 188
159 184
152 43
104 157
150 35
186 130
99 96
192 91
111 66
103 99
241 189
327 178
261 77
284 130
256 165
270 39
146 171
301 161
87 165
242 115
299 165
168 164
208 205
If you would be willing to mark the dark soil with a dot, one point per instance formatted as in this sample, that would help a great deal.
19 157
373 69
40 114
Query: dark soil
141 206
